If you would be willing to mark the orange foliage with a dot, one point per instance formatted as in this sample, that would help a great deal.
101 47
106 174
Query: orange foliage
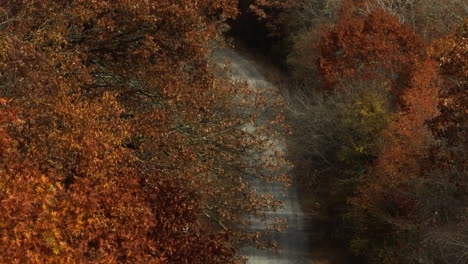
364 47
451 52
378 46
406 144
124 148
421 171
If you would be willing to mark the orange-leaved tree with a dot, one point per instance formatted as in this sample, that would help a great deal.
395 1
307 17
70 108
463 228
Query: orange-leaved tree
386 206
414 195
126 147
365 46
444 237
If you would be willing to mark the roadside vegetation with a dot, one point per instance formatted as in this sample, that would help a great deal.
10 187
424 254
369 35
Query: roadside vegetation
378 103
119 142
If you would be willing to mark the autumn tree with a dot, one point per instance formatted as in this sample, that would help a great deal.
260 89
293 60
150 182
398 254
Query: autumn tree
386 200
364 47
401 170
445 237
430 18
363 60
334 139
305 21
45 219
387 164
413 196
125 146
451 54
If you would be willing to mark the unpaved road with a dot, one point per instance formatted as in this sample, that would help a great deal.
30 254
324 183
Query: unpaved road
294 242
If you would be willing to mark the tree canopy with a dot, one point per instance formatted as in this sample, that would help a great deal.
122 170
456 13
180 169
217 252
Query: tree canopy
120 144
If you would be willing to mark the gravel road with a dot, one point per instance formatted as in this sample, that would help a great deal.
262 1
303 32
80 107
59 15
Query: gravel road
294 242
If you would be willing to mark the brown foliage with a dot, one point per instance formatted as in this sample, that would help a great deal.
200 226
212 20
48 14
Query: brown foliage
447 237
406 142
410 203
369 46
124 147
416 190
452 54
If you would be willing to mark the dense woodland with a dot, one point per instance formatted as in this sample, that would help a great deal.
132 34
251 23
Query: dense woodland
120 141
378 103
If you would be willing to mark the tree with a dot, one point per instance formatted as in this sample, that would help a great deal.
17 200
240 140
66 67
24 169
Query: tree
386 201
445 237
407 188
430 18
366 47
127 147
379 90
451 52
335 139
413 196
